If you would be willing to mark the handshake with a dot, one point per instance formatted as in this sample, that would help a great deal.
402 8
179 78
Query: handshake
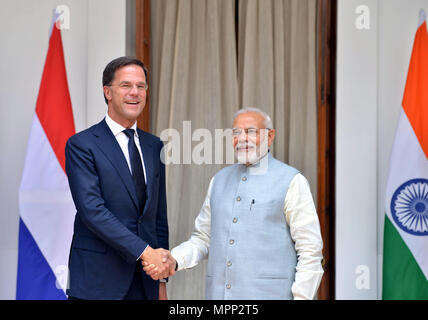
158 263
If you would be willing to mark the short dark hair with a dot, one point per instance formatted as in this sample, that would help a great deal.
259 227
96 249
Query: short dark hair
110 69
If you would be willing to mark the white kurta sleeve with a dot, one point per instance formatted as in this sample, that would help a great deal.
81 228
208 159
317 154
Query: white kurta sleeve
191 252
302 218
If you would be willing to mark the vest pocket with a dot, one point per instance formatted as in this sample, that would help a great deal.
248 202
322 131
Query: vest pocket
268 204
272 288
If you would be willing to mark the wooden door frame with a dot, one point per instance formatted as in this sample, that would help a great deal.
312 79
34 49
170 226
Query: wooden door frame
142 52
326 113
326 109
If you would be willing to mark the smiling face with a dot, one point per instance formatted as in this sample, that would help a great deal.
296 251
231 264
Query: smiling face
126 96
251 147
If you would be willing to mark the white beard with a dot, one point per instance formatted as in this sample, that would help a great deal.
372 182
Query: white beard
253 154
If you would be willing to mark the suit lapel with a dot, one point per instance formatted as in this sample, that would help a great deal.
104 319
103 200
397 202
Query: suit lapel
108 144
147 151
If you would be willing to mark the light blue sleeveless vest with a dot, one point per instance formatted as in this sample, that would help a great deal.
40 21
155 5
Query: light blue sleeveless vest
251 255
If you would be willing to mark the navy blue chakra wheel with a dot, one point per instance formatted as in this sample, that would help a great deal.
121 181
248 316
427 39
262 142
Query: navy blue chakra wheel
409 207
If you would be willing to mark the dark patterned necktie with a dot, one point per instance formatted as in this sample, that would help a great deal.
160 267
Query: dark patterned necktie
137 168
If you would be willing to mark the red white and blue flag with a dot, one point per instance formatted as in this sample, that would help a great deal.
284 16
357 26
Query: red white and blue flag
46 206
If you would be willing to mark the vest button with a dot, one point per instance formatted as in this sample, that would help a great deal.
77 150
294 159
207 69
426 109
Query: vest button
238 199
244 178
231 241
235 220
228 286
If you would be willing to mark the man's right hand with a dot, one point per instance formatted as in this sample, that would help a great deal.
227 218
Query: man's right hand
159 258
157 273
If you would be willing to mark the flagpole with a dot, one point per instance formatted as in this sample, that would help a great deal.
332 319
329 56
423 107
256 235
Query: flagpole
422 17
55 16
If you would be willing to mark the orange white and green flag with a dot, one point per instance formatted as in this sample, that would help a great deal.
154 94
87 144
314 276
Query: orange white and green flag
405 256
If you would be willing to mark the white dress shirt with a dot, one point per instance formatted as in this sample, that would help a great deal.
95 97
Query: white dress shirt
123 140
301 217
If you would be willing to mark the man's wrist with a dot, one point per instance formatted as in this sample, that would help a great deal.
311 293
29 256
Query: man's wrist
180 263
144 251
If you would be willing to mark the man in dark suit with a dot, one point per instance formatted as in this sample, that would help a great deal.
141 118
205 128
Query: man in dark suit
118 185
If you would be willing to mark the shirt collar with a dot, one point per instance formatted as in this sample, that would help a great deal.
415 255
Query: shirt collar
117 128
258 167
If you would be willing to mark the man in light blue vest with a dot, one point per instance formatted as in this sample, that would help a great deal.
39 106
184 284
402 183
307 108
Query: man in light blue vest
258 223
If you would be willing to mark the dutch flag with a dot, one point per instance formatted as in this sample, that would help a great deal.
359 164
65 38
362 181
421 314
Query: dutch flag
46 206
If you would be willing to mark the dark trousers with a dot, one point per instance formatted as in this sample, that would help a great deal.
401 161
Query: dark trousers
136 290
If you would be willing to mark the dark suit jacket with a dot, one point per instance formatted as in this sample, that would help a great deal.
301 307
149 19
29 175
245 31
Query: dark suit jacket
110 233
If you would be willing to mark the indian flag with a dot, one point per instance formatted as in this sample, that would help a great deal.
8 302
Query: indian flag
405 257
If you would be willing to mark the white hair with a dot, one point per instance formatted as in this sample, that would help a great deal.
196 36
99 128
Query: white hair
268 121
